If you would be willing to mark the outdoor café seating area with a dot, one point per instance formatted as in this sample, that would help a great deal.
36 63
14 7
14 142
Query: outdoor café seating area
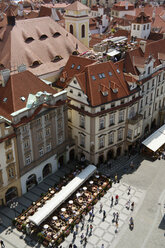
58 220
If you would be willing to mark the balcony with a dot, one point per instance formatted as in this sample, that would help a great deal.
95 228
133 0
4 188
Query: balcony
134 120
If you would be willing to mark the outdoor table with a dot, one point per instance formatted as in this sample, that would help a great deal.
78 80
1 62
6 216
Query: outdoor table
38 204
45 198
22 217
46 226
63 209
91 182
55 236
78 194
52 191
70 202
66 215
70 221
84 188
58 224
97 176
63 228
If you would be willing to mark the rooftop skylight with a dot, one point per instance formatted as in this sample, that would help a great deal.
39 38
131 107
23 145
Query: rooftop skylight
93 77
110 73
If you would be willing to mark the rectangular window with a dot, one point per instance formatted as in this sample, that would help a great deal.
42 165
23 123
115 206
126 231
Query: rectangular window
46 117
144 27
141 104
28 159
26 143
129 134
9 156
38 122
121 116
146 99
134 27
145 115
155 106
148 26
60 138
82 121
8 143
24 128
48 147
111 138
160 104
162 90
11 172
101 142
112 119
40 136
138 27
149 111
59 124
153 82
41 151
149 71
82 140
102 123
120 134
47 132
157 92
151 98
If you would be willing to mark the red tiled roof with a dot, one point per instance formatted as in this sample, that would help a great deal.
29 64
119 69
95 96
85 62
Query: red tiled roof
77 6
20 85
44 11
98 90
121 6
142 18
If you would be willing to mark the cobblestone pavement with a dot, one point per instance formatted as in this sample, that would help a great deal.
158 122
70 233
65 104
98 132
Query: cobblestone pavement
147 191
104 232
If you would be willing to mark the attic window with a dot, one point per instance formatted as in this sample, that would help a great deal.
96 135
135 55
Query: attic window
110 73
71 91
118 71
93 77
74 81
56 58
43 37
23 98
5 99
35 64
72 66
29 39
101 75
78 67
79 94
1 67
57 34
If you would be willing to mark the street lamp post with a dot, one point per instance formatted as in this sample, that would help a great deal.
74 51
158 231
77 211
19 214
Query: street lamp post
13 206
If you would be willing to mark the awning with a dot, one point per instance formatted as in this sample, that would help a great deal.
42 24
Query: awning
51 205
155 140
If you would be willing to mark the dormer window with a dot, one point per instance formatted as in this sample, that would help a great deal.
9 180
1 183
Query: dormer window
29 39
78 67
72 66
35 64
56 58
149 70
43 37
101 75
110 73
57 34
93 77
118 71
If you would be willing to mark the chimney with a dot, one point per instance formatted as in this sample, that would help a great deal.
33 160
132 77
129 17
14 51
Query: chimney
21 68
10 17
142 45
5 74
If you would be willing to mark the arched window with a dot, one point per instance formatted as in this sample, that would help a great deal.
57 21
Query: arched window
71 29
83 31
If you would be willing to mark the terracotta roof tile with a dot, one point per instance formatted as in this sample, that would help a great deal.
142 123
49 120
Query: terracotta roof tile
15 49
18 85
77 6
44 11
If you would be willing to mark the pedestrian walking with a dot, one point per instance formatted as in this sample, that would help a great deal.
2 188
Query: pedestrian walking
111 201
82 238
74 234
85 241
117 225
76 228
101 207
91 228
129 190
70 245
132 206
117 217
87 229
90 216
82 227
114 216
131 165
104 214
102 246
92 210
116 178
128 204
117 199
2 244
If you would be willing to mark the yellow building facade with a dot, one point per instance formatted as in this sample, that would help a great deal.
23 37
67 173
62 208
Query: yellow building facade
10 187
77 21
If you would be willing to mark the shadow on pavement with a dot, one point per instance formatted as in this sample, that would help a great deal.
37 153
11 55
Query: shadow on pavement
162 223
